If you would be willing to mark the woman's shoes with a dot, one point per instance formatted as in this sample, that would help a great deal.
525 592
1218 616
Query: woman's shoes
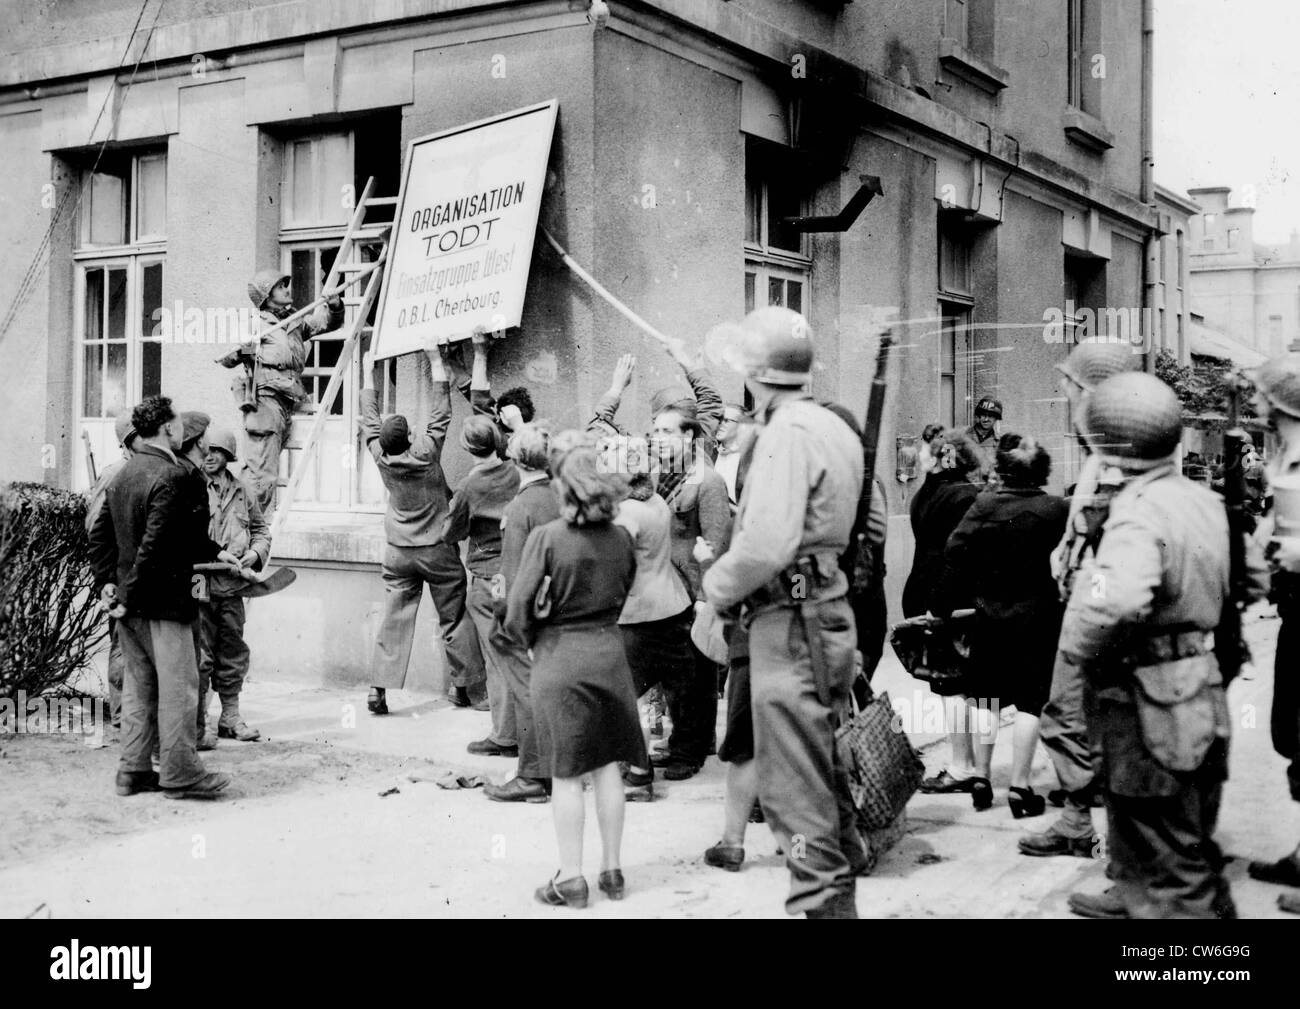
981 794
377 701
611 884
1025 802
570 893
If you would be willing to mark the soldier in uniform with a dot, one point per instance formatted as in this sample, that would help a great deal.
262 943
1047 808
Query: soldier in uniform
1278 402
269 388
782 568
1140 627
984 433
1063 729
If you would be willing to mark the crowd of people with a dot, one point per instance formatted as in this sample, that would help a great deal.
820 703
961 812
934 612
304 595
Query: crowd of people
739 553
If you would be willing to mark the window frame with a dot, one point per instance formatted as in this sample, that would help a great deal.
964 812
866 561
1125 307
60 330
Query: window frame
359 487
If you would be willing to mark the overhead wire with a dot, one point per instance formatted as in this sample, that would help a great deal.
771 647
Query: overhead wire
41 255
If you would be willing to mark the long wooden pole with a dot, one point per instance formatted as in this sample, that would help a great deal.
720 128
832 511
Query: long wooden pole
596 286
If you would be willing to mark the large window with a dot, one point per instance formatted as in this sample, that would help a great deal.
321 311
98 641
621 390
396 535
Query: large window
778 268
956 305
119 255
323 174
1083 55
777 265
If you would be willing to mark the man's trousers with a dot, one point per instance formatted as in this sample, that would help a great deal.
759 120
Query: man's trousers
692 698
517 668
162 680
1064 731
794 738
406 571
1161 837
480 606
1285 720
223 661
116 674
265 431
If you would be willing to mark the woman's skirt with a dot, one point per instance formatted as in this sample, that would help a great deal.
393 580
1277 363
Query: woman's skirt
583 699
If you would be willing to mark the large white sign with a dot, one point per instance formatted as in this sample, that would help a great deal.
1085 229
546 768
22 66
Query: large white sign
462 240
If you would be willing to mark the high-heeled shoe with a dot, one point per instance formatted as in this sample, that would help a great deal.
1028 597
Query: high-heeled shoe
611 884
571 892
981 794
1025 802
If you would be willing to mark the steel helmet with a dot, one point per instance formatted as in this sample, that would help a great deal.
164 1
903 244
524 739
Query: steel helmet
1278 381
1093 361
224 439
1133 420
260 287
775 347
124 429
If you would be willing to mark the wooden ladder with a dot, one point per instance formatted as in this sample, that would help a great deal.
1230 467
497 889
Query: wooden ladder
347 271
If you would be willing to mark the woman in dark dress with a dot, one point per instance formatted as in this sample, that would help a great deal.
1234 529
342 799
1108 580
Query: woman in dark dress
564 603
949 490
998 557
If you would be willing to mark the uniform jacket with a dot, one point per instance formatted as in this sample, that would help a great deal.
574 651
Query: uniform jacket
1162 563
417 487
235 523
800 497
283 354
145 540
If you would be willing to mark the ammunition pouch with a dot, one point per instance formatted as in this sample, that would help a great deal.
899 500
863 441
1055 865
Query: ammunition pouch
1181 705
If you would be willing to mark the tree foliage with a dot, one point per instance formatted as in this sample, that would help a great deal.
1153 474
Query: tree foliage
1204 388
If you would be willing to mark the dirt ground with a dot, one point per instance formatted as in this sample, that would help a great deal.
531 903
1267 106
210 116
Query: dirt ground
337 814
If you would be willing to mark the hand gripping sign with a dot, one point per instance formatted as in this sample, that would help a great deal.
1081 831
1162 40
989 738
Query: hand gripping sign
462 240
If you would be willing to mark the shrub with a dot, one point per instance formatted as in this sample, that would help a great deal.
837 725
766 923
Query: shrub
50 622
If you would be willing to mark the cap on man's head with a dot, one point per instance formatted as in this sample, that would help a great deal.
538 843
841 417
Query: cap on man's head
394 435
990 406
194 424
124 429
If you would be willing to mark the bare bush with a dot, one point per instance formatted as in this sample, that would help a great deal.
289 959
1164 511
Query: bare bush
50 622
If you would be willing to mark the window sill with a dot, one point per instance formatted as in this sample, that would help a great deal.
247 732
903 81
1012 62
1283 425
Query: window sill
965 65
1087 131
331 538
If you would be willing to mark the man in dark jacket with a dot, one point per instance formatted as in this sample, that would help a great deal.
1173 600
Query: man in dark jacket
142 552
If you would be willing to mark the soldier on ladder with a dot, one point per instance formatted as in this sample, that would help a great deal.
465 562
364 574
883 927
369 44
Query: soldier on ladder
269 387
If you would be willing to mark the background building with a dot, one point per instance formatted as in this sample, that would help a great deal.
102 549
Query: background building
1247 291
165 164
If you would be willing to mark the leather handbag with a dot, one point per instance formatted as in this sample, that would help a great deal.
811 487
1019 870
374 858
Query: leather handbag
934 649
882 768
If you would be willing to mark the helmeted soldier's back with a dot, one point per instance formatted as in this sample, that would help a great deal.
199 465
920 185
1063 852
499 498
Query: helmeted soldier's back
832 471
1191 524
